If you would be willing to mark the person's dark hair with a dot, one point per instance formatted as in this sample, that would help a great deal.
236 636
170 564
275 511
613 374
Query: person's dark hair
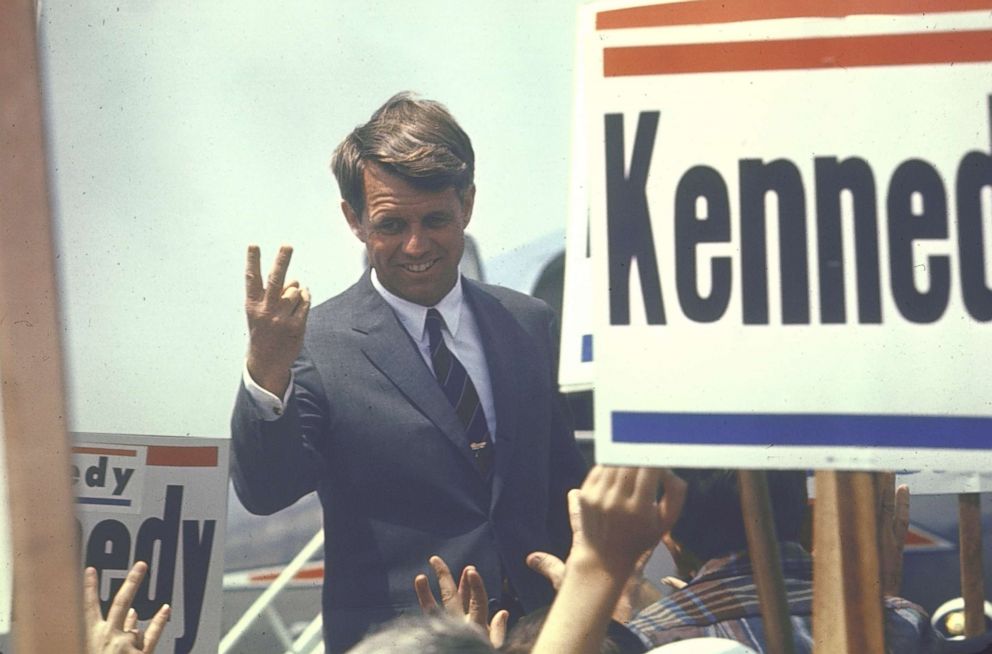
413 138
425 634
712 524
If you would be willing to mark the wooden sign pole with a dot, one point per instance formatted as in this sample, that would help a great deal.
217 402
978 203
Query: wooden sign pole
972 570
47 586
762 545
847 598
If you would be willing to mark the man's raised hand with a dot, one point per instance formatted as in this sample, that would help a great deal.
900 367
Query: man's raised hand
277 317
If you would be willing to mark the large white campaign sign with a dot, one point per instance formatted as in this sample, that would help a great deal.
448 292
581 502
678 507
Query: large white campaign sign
162 500
791 233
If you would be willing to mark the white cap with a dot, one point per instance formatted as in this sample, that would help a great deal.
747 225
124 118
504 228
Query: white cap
703 646
949 607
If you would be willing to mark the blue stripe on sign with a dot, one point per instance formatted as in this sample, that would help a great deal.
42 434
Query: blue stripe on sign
112 501
956 433
586 347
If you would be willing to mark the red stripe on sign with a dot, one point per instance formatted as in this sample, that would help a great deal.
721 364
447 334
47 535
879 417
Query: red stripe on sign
103 450
834 52
190 457
709 12
306 573
916 539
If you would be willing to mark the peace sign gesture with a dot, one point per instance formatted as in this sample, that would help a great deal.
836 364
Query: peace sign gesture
277 317
119 633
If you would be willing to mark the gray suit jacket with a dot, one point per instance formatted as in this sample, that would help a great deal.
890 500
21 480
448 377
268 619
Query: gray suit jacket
369 428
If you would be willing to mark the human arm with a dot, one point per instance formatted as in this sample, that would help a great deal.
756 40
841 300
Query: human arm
637 592
619 519
275 462
118 634
468 600
271 465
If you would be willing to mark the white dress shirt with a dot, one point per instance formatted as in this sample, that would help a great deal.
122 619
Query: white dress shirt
461 335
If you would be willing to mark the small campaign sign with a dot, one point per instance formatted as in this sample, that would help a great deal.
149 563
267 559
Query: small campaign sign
575 362
791 233
162 500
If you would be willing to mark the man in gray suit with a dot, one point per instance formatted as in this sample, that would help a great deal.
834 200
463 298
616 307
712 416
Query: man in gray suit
421 406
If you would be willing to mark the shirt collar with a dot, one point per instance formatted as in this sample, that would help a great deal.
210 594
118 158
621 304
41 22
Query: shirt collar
413 316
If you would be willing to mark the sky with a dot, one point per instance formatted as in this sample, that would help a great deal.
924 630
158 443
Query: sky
180 132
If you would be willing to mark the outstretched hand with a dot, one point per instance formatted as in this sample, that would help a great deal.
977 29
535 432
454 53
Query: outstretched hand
620 516
550 566
638 592
277 316
119 633
468 600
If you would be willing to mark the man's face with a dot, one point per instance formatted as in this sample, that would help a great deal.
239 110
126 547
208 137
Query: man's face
414 238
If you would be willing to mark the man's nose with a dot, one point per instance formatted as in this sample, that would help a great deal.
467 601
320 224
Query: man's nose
416 242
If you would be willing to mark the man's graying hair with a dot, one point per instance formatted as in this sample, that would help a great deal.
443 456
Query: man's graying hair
428 634
413 138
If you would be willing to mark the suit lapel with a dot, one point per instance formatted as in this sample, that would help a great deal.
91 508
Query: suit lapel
390 349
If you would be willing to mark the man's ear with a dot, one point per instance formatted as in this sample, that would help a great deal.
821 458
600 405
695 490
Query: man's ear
468 202
354 221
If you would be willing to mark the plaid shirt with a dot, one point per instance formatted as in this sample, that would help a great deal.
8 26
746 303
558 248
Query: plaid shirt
722 602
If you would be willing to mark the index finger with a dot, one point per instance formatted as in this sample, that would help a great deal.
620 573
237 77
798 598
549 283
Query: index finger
575 515
646 484
155 627
478 600
497 628
446 582
425 597
91 597
277 276
670 505
124 596
253 273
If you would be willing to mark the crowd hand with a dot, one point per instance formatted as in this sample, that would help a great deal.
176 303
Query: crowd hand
620 517
549 565
638 591
467 600
893 524
277 316
119 633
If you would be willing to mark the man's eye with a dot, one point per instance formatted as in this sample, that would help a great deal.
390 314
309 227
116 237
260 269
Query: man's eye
437 221
389 226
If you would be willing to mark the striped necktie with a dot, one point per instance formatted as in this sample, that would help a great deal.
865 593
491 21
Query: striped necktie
460 390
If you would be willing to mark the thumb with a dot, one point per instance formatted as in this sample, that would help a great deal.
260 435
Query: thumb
548 565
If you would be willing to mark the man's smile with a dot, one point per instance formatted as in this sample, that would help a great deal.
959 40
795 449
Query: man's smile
419 267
